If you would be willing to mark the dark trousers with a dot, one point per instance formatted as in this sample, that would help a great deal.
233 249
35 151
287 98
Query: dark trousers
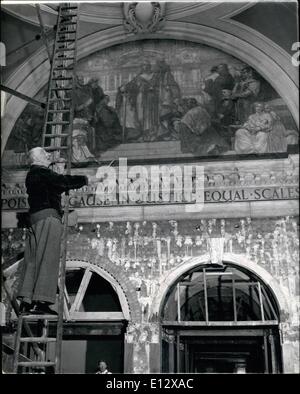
41 261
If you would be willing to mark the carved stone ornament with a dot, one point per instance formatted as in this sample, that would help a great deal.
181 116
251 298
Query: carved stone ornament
216 250
143 17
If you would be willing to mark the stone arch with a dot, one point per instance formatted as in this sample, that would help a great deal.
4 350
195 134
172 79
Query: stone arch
109 278
32 76
236 259
119 280
114 275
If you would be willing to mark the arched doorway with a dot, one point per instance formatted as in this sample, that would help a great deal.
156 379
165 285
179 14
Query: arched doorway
96 314
220 319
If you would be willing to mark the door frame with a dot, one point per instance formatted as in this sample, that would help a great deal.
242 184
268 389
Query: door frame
269 333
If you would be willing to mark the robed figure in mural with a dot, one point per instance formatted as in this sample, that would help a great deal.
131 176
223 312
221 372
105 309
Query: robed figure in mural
136 103
224 80
168 94
245 93
145 99
196 133
253 136
108 131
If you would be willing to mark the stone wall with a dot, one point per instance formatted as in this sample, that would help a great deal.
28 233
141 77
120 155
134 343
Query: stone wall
140 254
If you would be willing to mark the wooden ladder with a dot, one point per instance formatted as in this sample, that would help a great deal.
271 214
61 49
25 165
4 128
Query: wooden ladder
56 139
44 339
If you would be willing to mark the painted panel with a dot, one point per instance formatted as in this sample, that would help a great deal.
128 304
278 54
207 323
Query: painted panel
193 99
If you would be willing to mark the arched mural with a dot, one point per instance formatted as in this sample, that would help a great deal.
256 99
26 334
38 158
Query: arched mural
194 99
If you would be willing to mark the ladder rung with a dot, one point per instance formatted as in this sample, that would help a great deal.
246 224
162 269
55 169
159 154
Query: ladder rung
60 89
40 317
65 49
60 58
53 111
66 18
71 7
63 68
37 339
62 79
60 99
67 32
53 148
67 40
35 363
68 15
64 57
67 23
56 135
54 123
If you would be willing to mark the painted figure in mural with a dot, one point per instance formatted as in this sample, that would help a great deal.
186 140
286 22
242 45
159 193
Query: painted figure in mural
80 151
204 98
88 97
84 125
97 93
253 137
28 130
224 80
197 134
168 93
83 100
136 102
245 93
147 99
226 110
277 141
209 80
225 115
108 131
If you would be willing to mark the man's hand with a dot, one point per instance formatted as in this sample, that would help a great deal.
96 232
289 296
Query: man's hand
92 179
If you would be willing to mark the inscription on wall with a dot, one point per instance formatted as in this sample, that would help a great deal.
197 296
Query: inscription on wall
87 197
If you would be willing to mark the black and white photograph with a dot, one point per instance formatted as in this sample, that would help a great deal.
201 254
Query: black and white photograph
150 188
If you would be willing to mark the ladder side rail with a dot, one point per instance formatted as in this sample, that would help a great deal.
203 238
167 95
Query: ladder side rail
58 366
50 80
16 309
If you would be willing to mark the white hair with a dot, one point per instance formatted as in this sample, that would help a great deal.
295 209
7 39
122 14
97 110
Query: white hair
33 153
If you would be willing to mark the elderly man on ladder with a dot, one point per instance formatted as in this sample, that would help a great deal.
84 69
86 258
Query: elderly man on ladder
42 250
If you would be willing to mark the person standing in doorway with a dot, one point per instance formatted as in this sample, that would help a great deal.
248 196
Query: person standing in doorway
102 368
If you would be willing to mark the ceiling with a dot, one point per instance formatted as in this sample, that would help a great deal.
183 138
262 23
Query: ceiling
20 25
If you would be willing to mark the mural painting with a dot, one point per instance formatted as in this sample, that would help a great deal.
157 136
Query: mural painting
166 90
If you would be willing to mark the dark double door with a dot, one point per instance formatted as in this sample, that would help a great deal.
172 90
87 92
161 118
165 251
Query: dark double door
222 351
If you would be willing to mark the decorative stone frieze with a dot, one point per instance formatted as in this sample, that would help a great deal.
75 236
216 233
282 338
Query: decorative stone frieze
237 183
139 254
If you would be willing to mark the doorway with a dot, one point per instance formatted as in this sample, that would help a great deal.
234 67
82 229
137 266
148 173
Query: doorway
220 320
221 350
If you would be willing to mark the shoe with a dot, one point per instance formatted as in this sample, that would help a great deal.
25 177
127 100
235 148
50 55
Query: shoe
25 307
42 308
